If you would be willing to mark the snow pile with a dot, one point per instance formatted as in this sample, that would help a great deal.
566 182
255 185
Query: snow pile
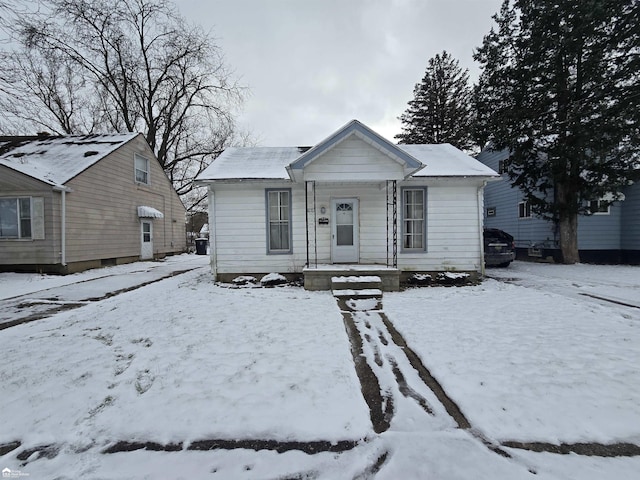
272 279
244 280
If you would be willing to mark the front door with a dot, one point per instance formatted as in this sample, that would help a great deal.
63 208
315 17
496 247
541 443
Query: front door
344 230
146 237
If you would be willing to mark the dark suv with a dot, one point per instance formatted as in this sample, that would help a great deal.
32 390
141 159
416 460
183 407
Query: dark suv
499 248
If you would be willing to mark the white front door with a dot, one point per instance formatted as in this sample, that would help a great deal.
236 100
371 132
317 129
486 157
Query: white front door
146 237
344 230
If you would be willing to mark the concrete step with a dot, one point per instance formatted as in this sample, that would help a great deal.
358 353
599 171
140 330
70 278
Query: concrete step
356 282
362 293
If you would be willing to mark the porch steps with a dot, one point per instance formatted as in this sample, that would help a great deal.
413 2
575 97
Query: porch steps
357 286
351 277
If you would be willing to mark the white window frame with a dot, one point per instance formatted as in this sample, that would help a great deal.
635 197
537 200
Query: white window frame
598 211
279 220
19 218
413 220
524 210
146 171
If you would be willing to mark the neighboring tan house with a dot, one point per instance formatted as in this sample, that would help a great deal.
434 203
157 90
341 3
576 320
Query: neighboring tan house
69 203
610 235
354 202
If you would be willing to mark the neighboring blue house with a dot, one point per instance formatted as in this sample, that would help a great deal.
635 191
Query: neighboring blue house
611 235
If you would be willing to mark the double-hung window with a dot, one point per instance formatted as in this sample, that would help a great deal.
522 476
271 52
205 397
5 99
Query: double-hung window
15 217
414 219
141 169
278 221
524 210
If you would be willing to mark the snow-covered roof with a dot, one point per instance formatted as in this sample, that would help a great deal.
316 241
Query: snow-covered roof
278 163
257 163
445 160
56 160
252 163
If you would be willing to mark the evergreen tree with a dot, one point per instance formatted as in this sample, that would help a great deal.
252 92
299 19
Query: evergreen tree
560 89
440 111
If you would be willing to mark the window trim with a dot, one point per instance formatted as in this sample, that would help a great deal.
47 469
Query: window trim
137 156
271 251
526 210
422 249
19 218
598 212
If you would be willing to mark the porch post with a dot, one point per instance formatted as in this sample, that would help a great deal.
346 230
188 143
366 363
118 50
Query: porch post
306 215
315 225
395 224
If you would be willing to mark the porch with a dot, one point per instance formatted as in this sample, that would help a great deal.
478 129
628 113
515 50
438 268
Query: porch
318 277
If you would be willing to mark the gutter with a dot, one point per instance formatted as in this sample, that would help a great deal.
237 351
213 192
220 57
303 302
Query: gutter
480 224
213 256
63 222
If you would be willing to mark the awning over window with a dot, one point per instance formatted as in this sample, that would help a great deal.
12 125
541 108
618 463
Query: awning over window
149 212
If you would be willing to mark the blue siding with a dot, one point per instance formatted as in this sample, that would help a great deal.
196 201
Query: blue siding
631 218
601 231
616 231
505 199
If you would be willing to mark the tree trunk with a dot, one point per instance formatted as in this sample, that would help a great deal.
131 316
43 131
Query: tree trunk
568 226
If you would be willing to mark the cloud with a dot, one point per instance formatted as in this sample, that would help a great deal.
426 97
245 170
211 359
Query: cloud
314 65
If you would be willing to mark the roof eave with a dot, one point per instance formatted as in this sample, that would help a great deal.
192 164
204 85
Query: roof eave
210 181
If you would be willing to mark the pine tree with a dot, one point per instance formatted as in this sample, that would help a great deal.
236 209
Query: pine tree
440 111
560 89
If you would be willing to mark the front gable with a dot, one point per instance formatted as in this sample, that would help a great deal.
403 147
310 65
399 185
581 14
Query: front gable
354 153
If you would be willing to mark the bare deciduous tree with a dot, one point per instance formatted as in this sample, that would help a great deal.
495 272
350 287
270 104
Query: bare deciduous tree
87 66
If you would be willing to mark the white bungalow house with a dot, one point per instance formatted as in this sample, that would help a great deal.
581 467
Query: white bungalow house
355 202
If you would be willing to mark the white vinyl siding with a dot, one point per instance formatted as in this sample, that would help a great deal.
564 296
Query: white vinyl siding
278 221
141 169
453 233
354 159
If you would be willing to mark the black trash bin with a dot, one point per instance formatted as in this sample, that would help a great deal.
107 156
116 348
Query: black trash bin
201 246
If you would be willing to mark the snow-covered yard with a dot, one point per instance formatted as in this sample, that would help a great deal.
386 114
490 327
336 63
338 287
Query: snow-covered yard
185 359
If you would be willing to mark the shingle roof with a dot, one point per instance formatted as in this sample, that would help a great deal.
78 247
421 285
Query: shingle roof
56 160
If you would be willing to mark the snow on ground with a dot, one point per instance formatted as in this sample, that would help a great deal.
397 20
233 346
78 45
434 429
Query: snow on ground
15 284
182 360
529 365
185 359
616 282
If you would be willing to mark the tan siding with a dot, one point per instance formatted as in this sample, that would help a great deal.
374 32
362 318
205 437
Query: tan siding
102 219
26 251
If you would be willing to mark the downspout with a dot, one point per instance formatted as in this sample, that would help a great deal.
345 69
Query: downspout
480 224
213 257
63 223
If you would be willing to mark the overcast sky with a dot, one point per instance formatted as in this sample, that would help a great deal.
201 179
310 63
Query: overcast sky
311 66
